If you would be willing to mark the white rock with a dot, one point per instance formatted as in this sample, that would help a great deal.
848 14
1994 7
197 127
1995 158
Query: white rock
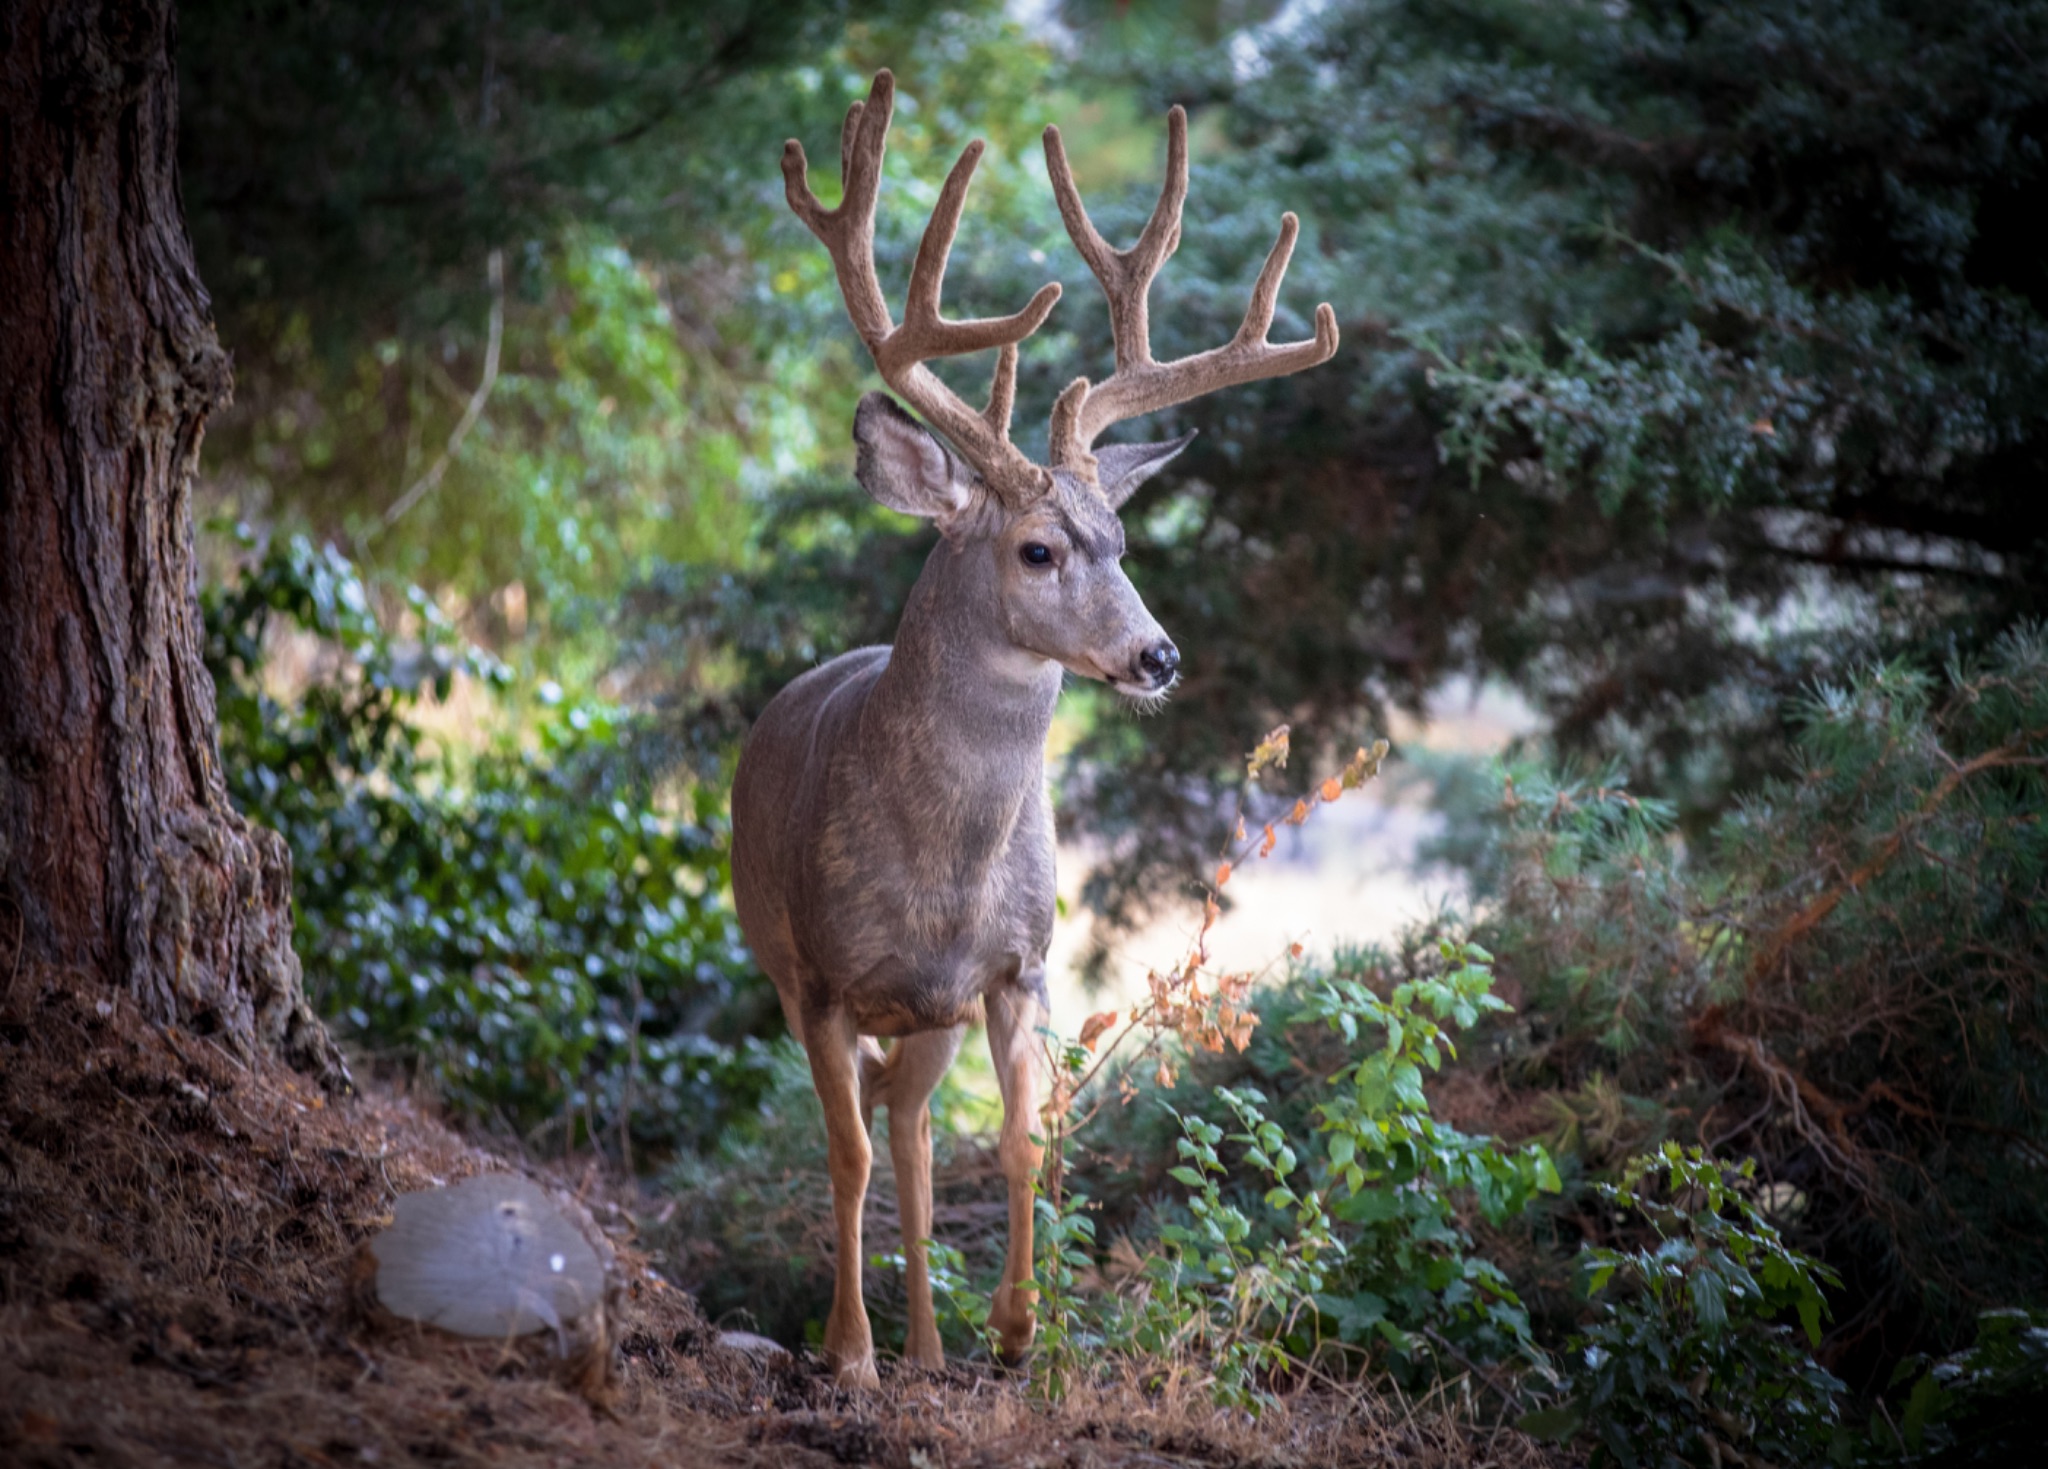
491 1256
759 1347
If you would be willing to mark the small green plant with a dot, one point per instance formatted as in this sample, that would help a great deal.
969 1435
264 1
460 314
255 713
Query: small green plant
1687 1361
1070 1341
1397 1173
963 1307
1240 1299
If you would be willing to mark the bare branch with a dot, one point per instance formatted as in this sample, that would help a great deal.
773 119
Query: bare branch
420 488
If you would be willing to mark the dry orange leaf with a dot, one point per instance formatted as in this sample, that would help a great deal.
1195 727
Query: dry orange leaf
1093 1027
1332 788
1223 874
1266 846
1298 815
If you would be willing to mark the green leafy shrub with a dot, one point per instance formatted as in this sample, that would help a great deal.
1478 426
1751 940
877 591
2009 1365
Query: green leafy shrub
516 925
1840 980
1687 1361
1409 1263
1338 1190
1336 1234
1243 1301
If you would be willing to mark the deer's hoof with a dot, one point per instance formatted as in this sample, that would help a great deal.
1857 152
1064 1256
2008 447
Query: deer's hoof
1014 1322
858 1373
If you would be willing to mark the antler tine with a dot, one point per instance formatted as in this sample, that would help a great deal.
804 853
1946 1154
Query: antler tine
900 352
848 231
924 333
1126 275
1002 393
1139 385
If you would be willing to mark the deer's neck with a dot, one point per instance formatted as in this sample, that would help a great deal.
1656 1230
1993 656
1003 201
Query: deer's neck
960 710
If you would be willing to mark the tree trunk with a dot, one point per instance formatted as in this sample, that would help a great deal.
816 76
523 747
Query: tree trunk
121 859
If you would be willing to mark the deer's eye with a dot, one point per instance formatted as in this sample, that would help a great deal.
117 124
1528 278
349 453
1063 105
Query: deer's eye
1036 553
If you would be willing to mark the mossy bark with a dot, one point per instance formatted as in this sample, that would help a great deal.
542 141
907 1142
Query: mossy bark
121 857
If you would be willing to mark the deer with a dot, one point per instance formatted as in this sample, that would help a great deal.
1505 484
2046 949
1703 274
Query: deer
893 856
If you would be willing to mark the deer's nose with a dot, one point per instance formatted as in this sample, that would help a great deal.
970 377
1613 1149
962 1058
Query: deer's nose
1160 662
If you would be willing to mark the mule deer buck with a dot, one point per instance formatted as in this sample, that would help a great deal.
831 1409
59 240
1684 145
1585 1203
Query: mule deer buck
892 836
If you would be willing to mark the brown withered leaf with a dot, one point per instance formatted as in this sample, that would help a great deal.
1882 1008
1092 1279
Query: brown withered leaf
1266 846
1332 789
1093 1027
1223 874
1272 751
1298 815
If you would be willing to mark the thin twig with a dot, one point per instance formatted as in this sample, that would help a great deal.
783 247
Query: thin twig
424 485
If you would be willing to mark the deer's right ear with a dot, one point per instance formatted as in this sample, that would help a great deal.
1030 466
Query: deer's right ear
904 466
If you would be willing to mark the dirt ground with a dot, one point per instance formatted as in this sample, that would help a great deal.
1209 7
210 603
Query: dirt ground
178 1232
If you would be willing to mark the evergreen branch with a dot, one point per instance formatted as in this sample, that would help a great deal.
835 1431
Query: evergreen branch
1815 912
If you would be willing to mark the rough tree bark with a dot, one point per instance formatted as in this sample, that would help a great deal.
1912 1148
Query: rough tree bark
121 858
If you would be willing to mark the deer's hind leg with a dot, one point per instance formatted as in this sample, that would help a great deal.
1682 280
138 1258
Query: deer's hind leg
834 1050
904 1085
1016 1011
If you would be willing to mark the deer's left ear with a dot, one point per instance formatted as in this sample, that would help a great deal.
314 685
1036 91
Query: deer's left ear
1121 468
904 466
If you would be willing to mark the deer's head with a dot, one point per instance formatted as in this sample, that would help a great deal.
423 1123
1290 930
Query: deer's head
1043 541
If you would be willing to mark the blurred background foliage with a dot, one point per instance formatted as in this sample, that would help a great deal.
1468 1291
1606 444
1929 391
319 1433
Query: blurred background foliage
1694 386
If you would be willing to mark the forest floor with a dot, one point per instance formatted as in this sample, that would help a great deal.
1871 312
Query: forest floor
179 1233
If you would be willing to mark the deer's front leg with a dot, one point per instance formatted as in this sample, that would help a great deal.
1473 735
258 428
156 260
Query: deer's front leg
834 1049
1016 1011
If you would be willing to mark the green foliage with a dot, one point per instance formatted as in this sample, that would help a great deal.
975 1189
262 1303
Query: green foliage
518 926
843 571
1338 1227
1409 1263
1842 981
1246 1306
516 311
1072 1338
962 1308
347 162
1692 356
752 1227
1690 1365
